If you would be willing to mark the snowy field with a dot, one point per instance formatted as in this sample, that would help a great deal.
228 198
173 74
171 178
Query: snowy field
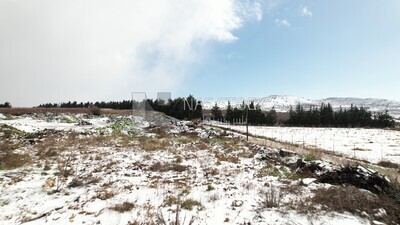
117 171
373 145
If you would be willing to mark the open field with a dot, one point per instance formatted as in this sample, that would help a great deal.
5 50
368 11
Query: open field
63 168
61 110
373 145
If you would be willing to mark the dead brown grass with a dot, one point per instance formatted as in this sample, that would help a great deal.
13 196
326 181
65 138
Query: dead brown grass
150 144
123 207
159 167
9 159
202 146
227 158
351 199
105 194
388 164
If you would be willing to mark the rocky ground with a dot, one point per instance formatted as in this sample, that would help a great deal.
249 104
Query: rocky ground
151 169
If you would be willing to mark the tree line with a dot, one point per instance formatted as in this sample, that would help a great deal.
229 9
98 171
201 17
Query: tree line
253 112
190 108
6 105
324 116
180 108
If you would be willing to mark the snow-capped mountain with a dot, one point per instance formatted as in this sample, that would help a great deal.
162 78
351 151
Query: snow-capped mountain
282 103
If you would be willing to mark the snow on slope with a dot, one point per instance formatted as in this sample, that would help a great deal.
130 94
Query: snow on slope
373 104
282 103
100 175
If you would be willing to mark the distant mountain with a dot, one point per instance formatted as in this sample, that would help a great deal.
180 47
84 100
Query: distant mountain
282 103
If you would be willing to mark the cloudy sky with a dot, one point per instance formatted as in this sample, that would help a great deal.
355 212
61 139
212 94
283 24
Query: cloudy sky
91 50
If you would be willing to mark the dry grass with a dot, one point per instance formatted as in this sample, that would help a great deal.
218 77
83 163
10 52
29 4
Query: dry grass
136 222
388 164
105 194
160 132
272 198
214 197
247 153
94 110
170 200
353 200
149 144
227 158
189 204
9 159
123 207
159 167
202 146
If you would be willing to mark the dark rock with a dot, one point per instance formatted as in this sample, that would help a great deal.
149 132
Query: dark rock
364 178
84 123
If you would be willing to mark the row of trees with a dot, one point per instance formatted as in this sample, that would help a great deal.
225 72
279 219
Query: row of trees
126 104
190 108
324 116
253 112
180 108
6 105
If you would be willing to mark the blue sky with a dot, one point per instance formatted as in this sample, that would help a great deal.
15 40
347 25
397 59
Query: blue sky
101 50
324 49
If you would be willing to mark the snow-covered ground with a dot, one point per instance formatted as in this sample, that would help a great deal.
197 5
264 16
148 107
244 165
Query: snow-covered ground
373 145
139 178
32 124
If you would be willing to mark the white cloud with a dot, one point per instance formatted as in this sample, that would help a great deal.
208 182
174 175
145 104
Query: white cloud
56 50
306 12
282 22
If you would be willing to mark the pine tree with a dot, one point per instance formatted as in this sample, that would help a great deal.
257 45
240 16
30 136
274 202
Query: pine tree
271 117
229 113
216 112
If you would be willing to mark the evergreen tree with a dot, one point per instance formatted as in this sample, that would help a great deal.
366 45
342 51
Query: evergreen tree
6 105
326 115
229 113
271 118
216 112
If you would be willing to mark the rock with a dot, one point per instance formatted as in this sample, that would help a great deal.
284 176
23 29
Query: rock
361 177
237 203
84 123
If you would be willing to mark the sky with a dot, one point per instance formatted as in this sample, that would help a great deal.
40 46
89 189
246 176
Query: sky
94 50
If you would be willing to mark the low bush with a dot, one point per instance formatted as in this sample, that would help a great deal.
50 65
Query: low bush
123 207
188 204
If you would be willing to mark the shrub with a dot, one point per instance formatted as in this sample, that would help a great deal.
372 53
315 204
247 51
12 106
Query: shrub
210 187
94 110
124 207
188 204
167 167
9 159
272 198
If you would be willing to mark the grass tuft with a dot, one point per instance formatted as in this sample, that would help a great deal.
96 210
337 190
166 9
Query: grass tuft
124 207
